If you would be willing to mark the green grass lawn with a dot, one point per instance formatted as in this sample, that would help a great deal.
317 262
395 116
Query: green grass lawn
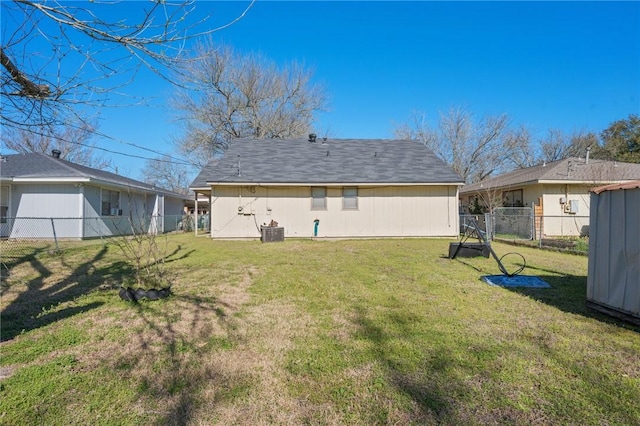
311 332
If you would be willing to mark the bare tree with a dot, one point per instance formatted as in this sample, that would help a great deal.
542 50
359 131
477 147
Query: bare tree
492 197
226 95
475 149
523 153
556 145
72 142
168 174
57 57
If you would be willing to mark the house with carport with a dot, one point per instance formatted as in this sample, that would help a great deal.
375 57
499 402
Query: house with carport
42 196
333 188
558 192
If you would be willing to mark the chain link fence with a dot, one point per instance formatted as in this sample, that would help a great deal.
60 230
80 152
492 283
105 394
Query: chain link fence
513 223
518 223
25 237
483 221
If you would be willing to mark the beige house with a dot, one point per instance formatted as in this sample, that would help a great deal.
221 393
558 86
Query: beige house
559 191
336 188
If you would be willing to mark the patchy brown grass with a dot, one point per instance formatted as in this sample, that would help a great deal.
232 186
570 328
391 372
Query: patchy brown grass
349 332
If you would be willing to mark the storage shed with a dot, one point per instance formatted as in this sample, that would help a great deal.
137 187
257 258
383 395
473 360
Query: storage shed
613 281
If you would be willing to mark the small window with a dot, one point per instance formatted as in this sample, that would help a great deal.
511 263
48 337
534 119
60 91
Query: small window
4 204
349 198
318 198
110 203
512 198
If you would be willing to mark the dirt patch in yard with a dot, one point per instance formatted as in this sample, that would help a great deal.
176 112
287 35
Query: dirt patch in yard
215 357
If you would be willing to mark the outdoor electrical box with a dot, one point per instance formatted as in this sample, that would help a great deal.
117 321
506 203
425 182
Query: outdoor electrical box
572 206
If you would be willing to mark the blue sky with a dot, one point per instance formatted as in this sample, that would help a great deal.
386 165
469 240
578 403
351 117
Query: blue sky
547 65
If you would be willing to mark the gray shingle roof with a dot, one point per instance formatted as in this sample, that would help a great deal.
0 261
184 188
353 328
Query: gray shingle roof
573 169
334 161
41 166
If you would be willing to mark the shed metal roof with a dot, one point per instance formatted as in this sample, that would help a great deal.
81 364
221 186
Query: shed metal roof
617 186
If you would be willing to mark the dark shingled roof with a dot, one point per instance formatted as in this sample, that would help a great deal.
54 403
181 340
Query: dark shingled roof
569 170
334 161
41 166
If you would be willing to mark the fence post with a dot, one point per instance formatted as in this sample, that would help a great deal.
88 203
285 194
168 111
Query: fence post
55 238
533 222
488 226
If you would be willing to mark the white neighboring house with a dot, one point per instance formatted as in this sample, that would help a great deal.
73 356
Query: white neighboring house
352 187
88 202
558 190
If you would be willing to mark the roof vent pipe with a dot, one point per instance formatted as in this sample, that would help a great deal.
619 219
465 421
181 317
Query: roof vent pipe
312 137
586 160
55 153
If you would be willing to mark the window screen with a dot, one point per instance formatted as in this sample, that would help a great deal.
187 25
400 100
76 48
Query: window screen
4 204
110 202
349 198
318 198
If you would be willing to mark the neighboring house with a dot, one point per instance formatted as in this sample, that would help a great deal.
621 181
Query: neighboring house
352 187
88 202
613 281
559 191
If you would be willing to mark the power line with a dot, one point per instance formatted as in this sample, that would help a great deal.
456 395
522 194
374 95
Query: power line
165 158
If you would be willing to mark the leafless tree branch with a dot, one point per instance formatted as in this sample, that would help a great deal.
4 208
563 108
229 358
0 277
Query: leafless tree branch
225 95
59 57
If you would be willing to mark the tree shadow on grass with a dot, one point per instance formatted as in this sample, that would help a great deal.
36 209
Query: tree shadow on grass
567 293
32 308
433 387
166 360
12 258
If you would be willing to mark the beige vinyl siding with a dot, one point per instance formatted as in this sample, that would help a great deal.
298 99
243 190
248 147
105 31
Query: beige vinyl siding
557 222
386 211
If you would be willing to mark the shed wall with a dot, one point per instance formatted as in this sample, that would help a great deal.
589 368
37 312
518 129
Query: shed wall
614 251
